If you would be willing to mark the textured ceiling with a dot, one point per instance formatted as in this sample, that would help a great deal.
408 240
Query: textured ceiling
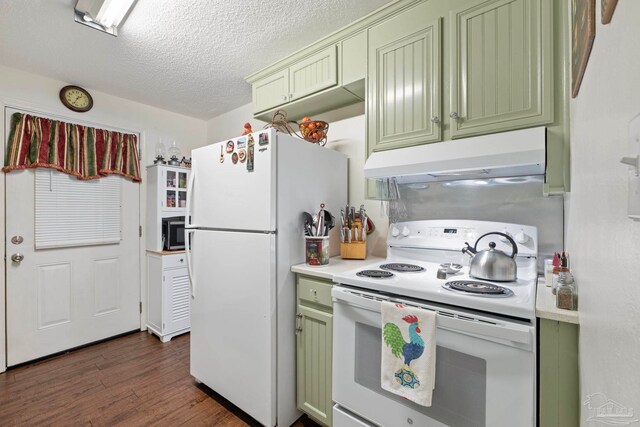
187 56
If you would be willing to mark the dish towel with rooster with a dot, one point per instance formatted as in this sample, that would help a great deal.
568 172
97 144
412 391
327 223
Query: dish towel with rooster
409 352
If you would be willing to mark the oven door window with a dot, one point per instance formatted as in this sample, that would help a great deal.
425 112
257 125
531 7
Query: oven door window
459 398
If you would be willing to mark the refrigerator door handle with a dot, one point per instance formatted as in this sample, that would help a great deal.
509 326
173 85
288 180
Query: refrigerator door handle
190 184
187 250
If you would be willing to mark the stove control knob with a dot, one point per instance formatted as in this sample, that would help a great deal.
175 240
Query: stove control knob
522 237
395 232
504 239
406 231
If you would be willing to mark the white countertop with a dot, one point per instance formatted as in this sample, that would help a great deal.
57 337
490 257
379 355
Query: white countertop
545 300
336 265
546 306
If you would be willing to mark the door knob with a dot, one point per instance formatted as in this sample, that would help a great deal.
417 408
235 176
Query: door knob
16 240
435 119
17 257
454 115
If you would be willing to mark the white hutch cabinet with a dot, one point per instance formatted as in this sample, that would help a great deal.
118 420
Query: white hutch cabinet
168 292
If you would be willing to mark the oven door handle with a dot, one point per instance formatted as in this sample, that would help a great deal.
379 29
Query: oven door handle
449 321
509 332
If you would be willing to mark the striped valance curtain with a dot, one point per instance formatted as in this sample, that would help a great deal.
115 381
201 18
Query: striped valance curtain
82 151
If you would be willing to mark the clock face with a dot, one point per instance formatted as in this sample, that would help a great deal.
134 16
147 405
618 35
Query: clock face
76 98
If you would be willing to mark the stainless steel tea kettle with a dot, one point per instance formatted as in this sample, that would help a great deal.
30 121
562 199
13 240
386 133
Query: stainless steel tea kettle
492 263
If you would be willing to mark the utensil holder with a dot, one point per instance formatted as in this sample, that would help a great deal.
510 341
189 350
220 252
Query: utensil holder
317 250
354 250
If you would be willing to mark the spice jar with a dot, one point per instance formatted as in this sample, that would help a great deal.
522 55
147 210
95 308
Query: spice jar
566 292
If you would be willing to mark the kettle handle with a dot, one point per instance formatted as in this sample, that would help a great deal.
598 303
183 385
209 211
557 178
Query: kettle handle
514 245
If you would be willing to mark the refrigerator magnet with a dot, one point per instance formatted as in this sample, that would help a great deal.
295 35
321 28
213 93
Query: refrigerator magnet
242 155
263 139
234 158
250 159
221 155
242 142
251 140
230 146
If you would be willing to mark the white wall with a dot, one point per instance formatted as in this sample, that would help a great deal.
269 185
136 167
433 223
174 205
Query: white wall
346 135
40 94
604 244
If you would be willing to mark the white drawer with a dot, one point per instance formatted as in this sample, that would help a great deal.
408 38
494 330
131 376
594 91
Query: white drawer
174 261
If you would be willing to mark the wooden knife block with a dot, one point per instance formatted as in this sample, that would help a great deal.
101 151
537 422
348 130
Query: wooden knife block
355 249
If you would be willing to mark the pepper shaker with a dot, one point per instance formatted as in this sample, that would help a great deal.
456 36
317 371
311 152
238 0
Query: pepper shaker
566 297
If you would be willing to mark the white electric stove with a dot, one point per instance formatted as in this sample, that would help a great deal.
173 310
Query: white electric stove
416 250
485 357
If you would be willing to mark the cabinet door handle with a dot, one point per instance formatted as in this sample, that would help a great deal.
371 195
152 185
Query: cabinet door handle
298 326
284 97
290 96
454 115
435 119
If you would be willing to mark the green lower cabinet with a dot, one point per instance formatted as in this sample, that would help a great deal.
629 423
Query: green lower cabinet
559 394
314 329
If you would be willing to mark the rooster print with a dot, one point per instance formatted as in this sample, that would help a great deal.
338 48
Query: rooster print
408 351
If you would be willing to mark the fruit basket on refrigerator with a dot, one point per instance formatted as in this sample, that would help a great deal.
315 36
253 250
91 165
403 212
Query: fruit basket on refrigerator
314 131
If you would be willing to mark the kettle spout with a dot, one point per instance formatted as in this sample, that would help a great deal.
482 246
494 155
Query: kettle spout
469 250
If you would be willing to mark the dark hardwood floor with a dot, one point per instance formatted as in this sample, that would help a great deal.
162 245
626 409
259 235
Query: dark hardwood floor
132 380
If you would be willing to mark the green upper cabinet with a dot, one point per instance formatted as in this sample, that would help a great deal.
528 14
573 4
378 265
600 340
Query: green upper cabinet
312 74
501 66
317 72
403 85
271 91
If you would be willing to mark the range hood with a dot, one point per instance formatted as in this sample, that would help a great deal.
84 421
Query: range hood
506 154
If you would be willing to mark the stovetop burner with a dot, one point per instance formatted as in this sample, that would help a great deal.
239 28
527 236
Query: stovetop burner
375 274
484 289
402 267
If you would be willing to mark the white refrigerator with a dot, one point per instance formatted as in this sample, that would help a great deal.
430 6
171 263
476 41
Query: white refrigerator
246 197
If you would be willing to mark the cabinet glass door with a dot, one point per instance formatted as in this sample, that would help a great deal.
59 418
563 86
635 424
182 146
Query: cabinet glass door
171 179
182 180
175 190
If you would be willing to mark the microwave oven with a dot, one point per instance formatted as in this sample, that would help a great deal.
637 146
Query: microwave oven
173 233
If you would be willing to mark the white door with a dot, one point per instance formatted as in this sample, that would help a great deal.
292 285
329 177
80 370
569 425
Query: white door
226 195
233 318
60 298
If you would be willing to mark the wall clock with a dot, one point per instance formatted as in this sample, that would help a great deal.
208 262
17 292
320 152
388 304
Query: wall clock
76 98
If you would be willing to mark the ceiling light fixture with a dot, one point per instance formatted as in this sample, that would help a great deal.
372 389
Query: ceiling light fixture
103 15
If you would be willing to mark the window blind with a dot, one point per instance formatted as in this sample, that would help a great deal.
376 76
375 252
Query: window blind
71 212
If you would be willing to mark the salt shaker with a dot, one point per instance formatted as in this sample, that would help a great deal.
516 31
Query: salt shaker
566 292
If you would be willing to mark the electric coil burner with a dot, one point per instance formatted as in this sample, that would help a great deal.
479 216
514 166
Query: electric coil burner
478 288
375 274
402 267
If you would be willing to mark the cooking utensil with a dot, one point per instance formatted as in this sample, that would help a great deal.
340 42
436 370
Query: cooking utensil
329 222
492 263
308 223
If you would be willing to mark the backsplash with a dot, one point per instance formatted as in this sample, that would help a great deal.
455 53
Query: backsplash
513 200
